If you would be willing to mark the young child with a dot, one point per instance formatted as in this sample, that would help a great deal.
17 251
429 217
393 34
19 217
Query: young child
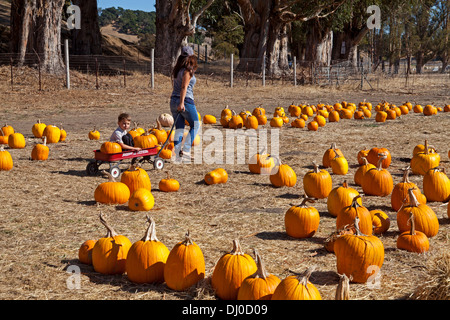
121 136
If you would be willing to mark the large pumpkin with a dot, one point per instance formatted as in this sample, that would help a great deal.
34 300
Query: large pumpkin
40 151
6 161
412 240
159 133
362 170
135 177
423 161
283 176
85 251
297 288
141 199
94 134
112 191
109 147
339 165
185 265
16 141
147 258
302 221
436 185
373 157
166 119
230 270
38 129
425 219
340 197
145 141
330 154
261 163
216 176
169 184
359 256
348 214
53 133
400 195
109 253
378 181
260 285
317 183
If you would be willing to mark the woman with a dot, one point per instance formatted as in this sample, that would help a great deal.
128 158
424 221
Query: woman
182 101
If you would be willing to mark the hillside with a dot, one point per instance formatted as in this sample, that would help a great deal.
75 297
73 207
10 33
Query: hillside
114 42
4 25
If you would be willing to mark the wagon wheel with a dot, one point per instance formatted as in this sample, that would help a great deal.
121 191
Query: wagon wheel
115 171
92 168
158 163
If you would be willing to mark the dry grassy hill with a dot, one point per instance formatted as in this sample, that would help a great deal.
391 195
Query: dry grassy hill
114 42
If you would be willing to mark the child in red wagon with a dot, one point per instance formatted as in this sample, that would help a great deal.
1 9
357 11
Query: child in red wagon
121 136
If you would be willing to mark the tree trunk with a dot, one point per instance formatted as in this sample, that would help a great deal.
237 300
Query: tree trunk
21 24
36 28
346 44
256 34
277 49
419 62
319 44
88 39
174 23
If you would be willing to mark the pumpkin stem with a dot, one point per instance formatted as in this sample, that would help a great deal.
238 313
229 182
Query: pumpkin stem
316 167
150 234
305 277
45 140
236 248
413 202
358 232
343 288
345 184
381 156
406 174
426 146
110 177
305 200
355 203
110 232
413 224
364 159
261 271
187 239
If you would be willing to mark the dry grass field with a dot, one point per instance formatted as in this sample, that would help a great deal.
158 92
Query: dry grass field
48 208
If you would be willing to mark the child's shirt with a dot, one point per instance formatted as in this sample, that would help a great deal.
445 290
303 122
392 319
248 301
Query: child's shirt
117 135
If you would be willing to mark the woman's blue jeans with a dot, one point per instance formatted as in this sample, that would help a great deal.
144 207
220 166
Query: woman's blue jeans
191 116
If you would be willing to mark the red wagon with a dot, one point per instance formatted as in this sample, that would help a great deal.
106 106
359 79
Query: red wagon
115 159
150 154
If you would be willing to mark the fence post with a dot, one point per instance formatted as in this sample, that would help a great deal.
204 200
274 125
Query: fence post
231 71
295 71
264 70
153 68
66 51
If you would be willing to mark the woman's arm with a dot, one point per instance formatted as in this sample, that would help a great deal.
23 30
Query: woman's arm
184 85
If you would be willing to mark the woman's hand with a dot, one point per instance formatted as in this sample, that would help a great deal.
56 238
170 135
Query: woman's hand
181 107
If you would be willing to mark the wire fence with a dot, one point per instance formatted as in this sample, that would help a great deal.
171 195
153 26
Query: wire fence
118 71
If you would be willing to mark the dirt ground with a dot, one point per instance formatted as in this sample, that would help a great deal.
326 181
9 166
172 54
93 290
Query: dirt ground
48 208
